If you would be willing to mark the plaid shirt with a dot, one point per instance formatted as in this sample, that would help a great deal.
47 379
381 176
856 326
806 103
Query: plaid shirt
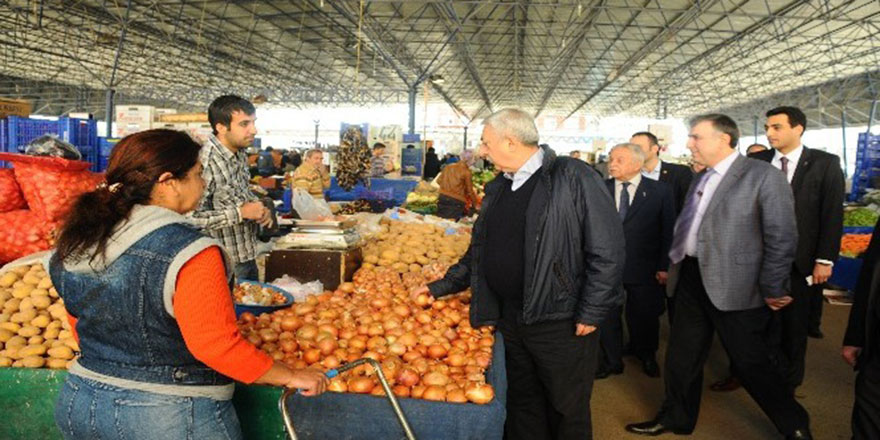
226 189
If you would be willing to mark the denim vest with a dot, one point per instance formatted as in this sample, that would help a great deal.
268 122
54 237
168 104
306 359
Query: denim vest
125 325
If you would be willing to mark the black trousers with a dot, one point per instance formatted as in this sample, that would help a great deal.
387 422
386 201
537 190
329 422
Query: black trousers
450 208
644 305
817 301
866 410
789 329
549 380
744 336
611 340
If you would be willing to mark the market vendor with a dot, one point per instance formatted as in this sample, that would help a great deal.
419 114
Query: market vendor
312 175
379 164
456 188
229 211
148 297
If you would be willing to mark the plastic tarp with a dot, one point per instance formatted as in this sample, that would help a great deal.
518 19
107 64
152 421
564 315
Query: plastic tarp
379 189
356 416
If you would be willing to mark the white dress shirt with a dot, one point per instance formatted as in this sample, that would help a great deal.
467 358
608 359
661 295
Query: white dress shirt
714 176
653 175
524 172
793 156
618 187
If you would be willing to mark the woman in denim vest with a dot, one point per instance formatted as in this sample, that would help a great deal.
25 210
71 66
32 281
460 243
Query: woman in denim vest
148 297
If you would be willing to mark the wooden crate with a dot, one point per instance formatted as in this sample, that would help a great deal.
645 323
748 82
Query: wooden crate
330 267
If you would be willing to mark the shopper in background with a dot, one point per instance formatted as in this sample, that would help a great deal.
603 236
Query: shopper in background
755 148
295 159
647 210
148 297
266 162
229 211
730 258
818 184
601 166
678 177
456 189
546 271
312 175
432 164
860 345
575 154
379 164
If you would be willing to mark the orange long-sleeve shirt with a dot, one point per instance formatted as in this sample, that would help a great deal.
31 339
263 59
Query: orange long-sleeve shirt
204 312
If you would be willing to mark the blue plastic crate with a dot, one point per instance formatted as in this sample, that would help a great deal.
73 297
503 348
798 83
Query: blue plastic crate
79 132
20 131
106 145
103 162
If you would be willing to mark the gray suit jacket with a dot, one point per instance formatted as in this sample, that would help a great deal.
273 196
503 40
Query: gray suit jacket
747 239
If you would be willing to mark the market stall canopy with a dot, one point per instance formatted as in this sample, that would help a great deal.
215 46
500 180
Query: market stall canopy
644 57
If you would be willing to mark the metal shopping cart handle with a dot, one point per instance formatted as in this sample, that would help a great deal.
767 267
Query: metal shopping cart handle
285 414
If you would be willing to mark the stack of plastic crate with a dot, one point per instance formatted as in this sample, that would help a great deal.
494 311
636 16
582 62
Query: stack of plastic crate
83 134
105 147
867 170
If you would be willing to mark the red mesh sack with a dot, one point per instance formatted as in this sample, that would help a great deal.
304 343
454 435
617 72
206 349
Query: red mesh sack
11 197
50 184
22 233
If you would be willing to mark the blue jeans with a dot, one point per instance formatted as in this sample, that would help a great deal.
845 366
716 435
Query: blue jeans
247 271
87 409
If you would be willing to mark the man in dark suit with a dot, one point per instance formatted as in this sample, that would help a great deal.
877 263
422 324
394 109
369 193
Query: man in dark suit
647 211
678 177
730 260
860 345
818 184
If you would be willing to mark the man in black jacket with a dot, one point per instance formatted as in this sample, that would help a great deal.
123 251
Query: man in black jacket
678 177
432 164
860 345
817 181
544 265
647 211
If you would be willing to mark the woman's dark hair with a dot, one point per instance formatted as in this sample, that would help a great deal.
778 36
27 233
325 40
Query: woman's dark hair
135 165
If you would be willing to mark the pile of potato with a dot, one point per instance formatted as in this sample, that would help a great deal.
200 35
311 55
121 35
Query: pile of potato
407 247
34 331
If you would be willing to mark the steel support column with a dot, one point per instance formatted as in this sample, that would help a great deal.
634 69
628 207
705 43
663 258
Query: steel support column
412 108
110 86
843 132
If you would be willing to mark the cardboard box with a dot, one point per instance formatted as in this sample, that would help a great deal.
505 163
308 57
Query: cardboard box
184 117
330 267
14 107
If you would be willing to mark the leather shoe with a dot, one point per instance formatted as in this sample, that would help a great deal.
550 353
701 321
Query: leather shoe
815 333
604 372
653 428
650 367
800 434
729 384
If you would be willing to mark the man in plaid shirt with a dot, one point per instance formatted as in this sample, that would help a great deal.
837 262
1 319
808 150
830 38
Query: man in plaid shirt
229 211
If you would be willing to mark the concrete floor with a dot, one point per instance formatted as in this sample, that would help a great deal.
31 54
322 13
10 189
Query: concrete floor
827 394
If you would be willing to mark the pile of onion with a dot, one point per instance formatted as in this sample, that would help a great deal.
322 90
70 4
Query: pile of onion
427 349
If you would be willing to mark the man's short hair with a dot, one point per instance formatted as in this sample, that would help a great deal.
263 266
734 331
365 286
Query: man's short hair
311 153
795 115
516 124
721 123
652 139
378 146
633 148
220 111
761 146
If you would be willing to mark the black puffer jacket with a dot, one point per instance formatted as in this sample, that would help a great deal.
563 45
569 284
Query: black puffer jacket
574 250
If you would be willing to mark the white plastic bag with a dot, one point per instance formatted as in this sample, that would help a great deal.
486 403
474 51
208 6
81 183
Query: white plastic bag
299 290
308 207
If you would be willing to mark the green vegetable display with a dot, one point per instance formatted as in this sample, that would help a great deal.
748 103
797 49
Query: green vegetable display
860 217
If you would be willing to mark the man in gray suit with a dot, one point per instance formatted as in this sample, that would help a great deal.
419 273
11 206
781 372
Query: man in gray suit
730 258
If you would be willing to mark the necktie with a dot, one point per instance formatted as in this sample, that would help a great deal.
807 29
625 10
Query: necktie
686 220
784 161
624 200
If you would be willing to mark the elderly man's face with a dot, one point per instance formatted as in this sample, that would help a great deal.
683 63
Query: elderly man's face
497 148
708 145
623 164
316 159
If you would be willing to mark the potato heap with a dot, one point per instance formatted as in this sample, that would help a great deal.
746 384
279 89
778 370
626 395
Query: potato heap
406 247
427 348
34 331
